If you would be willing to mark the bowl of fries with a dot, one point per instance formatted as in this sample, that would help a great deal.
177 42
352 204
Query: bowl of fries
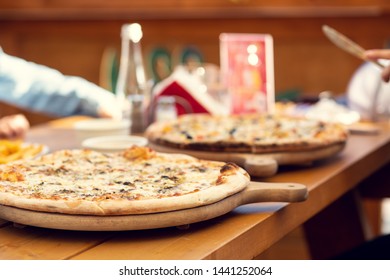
11 150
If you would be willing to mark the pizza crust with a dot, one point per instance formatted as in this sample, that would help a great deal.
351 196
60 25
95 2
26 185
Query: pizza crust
234 185
253 138
231 178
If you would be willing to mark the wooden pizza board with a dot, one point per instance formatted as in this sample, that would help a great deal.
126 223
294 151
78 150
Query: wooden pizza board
255 192
259 165
364 128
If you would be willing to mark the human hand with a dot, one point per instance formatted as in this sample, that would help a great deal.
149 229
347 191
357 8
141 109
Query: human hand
109 113
13 126
109 108
380 54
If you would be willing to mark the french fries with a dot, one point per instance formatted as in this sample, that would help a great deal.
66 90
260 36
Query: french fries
14 150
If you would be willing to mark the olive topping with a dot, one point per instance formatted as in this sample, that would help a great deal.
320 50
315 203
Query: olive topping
187 135
232 131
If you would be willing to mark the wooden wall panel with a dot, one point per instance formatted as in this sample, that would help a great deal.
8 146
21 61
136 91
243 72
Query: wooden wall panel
304 58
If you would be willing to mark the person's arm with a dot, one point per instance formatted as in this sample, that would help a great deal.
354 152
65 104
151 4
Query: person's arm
40 88
13 126
376 54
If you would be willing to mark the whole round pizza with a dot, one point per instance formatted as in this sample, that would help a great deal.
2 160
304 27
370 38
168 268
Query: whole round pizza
248 133
136 181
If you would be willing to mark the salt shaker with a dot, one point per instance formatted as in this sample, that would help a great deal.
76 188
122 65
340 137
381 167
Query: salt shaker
166 109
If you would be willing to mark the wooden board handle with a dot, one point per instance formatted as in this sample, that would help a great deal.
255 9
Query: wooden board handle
260 166
274 192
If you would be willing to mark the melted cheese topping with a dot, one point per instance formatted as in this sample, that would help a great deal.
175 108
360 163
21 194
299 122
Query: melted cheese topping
250 129
88 175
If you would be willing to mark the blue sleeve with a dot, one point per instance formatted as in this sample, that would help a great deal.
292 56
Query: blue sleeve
43 89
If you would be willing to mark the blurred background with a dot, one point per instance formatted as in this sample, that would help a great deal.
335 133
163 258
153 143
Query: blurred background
83 37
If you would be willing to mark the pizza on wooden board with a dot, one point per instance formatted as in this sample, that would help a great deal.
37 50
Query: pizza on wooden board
251 133
136 181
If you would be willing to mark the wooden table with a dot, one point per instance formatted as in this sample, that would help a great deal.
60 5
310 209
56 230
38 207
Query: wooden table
331 216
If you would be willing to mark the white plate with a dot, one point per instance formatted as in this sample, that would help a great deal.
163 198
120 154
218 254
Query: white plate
44 150
114 143
101 127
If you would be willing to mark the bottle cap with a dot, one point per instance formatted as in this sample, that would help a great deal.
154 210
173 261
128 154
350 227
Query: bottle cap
133 31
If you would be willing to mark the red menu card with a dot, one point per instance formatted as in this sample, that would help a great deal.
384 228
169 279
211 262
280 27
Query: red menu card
247 70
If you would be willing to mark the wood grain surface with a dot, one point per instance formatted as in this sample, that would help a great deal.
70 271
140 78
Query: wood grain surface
255 192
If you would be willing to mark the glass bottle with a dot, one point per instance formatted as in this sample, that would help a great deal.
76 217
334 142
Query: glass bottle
131 88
